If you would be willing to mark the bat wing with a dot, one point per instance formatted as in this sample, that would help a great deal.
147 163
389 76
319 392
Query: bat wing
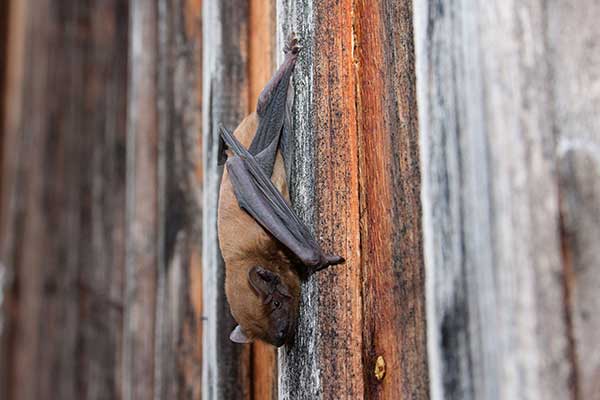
257 195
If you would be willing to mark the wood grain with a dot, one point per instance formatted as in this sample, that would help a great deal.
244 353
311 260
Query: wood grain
143 254
391 238
225 100
575 59
325 360
63 199
496 317
4 30
178 350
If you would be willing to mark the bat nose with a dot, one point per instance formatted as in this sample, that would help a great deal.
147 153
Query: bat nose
280 337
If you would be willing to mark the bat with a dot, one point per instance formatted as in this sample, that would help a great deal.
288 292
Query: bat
265 246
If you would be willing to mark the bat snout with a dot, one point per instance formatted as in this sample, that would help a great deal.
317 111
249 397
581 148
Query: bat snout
280 337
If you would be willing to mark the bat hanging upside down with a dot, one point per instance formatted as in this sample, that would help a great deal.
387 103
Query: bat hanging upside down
261 239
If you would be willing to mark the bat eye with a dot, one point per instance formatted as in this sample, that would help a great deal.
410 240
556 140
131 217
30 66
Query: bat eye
276 303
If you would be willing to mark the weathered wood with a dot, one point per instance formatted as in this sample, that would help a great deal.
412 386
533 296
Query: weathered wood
164 306
4 31
143 254
225 100
4 19
63 199
575 61
495 315
391 239
9 168
325 359
178 353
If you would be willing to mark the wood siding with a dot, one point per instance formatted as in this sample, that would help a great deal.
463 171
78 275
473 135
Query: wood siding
509 160
448 150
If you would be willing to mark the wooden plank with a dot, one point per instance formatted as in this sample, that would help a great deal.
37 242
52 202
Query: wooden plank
575 60
324 361
391 247
261 64
63 199
5 8
4 30
225 368
17 15
143 254
178 354
101 244
495 312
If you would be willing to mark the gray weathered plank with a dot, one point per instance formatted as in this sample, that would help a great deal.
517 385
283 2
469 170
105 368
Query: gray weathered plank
179 288
162 347
142 240
225 95
574 58
496 316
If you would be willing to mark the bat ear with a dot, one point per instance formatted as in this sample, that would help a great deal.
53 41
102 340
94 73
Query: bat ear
238 336
262 280
266 282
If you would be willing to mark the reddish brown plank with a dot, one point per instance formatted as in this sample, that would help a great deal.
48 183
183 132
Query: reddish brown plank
337 204
391 247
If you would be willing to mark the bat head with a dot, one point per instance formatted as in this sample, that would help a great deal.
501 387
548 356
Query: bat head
274 319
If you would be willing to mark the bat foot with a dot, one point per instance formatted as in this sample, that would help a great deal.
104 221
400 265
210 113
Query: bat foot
292 46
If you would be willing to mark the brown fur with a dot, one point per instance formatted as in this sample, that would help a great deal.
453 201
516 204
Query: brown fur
245 244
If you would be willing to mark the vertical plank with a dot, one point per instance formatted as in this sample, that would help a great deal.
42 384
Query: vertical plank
575 62
225 100
495 311
101 241
261 64
4 30
63 199
391 247
142 242
178 354
7 13
324 361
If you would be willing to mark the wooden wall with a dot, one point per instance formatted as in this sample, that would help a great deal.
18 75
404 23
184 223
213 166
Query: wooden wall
102 291
356 179
508 99
481 283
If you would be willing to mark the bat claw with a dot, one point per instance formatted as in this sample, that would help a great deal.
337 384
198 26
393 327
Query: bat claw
329 260
293 46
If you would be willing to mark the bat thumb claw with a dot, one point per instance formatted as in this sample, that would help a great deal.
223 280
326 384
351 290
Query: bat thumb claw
330 260
335 260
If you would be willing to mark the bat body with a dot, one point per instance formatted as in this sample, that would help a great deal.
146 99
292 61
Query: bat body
262 241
